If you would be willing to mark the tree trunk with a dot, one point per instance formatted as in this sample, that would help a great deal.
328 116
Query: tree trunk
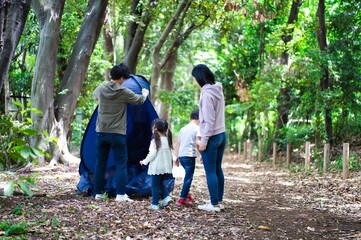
108 43
136 32
167 84
284 98
13 14
42 92
324 81
74 76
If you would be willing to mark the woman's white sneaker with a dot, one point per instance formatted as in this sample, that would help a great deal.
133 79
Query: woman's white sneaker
209 207
100 196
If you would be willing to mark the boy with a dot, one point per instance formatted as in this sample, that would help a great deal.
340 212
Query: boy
185 152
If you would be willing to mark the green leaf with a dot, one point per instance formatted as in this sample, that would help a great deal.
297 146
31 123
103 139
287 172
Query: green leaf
25 188
25 152
30 132
9 188
16 103
37 111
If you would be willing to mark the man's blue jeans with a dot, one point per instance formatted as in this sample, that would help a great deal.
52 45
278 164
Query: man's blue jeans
116 142
189 164
212 162
158 184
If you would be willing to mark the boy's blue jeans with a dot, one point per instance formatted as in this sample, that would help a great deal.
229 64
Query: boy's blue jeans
116 142
212 162
157 185
189 164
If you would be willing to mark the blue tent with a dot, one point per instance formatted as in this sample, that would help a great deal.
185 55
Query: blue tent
139 134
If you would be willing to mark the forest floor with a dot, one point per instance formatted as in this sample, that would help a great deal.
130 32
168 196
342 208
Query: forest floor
261 202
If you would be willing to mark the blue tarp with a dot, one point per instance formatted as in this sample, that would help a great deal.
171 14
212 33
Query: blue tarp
139 134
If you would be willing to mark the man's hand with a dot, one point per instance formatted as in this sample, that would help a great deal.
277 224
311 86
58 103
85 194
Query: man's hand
141 162
145 92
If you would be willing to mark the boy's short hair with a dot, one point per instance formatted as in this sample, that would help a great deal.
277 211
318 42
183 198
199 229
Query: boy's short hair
195 115
118 71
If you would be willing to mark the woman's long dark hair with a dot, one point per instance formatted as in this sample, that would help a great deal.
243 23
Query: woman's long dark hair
161 126
203 75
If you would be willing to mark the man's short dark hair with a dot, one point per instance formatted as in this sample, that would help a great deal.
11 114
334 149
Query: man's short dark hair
195 115
118 71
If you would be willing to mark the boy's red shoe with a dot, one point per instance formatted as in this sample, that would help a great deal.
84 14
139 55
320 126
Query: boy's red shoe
182 202
190 199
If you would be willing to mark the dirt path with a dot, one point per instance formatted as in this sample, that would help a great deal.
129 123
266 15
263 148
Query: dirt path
261 203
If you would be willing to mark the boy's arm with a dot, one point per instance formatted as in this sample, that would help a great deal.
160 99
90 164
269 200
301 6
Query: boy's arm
176 151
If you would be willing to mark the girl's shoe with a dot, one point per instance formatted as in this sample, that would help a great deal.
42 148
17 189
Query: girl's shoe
182 202
166 201
154 207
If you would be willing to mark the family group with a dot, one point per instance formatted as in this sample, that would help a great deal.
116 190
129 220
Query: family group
204 133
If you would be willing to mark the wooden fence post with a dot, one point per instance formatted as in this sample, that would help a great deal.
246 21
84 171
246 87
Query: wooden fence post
307 155
346 156
239 148
288 154
260 153
250 146
245 150
274 154
326 156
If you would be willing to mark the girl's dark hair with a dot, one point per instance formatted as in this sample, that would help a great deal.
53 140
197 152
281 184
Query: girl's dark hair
203 75
161 126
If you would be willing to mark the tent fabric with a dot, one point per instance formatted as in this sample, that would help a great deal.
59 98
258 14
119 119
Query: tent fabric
139 134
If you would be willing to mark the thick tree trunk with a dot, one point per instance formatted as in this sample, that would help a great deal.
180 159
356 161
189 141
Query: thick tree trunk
284 98
167 84
42 92
136 32
74 76
13 14
324 81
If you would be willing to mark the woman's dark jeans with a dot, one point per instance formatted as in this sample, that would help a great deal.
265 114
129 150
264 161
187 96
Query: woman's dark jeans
212 162
116 142
189 164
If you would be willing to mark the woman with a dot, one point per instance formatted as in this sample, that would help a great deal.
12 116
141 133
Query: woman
212 134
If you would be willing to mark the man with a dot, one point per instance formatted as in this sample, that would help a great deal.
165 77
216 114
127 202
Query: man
111 127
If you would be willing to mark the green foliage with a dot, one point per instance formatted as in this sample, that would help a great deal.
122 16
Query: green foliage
295 135
14 228
354 163
15 148
183 103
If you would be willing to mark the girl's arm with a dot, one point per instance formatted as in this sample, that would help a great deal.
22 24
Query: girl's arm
151 155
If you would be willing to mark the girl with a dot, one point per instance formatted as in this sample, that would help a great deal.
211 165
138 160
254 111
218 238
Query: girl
160 162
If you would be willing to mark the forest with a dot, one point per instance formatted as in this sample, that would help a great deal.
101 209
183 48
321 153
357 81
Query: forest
290 70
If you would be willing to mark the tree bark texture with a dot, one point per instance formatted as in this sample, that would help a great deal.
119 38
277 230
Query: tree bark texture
75 73
136 32
42 91
167 84
284 98
13 14
324 81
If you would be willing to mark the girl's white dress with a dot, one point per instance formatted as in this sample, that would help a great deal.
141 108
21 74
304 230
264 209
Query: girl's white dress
160 161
